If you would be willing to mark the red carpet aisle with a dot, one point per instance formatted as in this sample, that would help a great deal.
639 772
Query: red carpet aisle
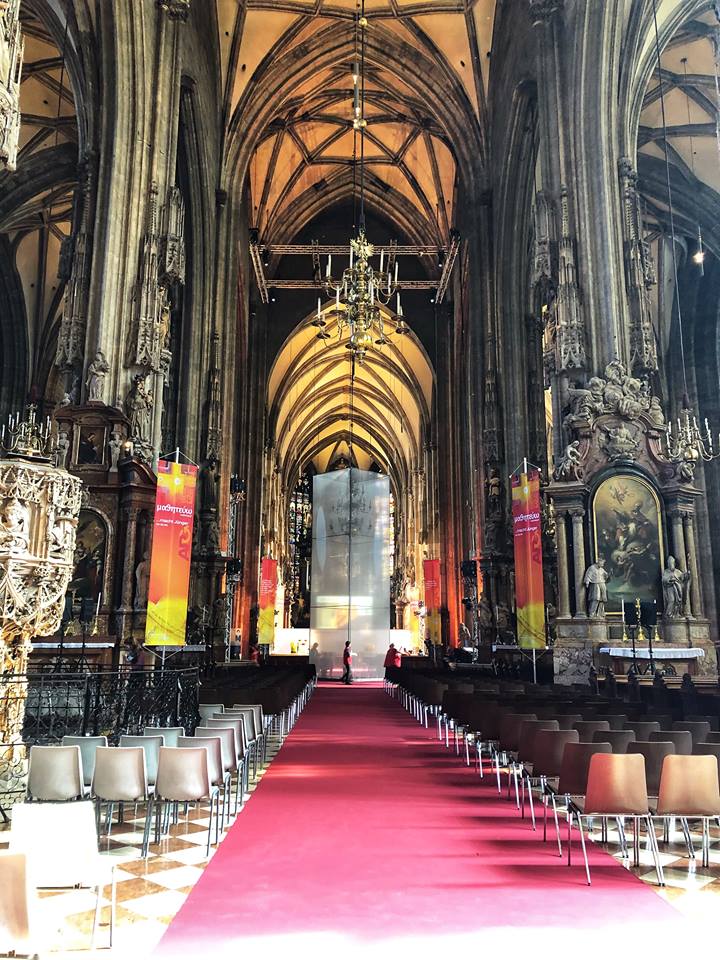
366 829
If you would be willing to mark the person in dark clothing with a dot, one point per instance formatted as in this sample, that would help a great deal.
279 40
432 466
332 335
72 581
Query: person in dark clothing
347 676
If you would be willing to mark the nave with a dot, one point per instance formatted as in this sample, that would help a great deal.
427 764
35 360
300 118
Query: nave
367 833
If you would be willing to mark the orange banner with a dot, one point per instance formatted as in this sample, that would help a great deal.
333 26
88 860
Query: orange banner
431 576
170 558
527 535
268 594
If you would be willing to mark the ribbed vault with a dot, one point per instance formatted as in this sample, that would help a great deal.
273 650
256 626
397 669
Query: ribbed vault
316 409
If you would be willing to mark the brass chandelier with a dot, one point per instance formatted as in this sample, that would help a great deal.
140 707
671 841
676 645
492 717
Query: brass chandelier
362 291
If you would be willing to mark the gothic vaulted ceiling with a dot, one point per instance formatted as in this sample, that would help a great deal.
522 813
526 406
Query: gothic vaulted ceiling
307 148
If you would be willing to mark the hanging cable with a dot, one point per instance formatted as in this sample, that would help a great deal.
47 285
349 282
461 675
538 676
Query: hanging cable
686 400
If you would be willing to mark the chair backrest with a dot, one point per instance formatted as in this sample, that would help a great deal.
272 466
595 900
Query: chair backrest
643 728
120 774
617 721
213 745
616 784
17 906
654 752
55 773
588 728
60 840
247 715
708 750
689 787
151 746
681 738
713 737
257 710
576 764
88 746
698 729
182 774
228 749
548 751
207 710
529 730
238 724
567 721
713 721
618 739
169 734
510 729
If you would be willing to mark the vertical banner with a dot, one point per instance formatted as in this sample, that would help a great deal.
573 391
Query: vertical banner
431 576
170 558
529 588
268 594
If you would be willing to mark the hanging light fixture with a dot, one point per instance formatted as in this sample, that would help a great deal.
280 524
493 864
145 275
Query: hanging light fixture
361 292
686 443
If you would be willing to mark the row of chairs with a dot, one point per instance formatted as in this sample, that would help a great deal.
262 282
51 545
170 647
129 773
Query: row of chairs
55 843
581 751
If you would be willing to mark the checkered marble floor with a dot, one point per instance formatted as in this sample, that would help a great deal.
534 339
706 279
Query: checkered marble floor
149 891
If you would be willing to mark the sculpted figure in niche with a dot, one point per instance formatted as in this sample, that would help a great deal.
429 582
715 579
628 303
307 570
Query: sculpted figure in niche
15 526
595 580
140 403
674 584
142 582
570 465
97 371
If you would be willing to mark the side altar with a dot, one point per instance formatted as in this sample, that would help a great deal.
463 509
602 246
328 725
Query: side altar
624 504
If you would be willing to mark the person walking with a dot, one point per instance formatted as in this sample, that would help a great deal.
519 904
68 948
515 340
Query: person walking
347 676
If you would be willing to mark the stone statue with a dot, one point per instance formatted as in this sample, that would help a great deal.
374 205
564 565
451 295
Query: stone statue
97 371
63 446
139 408
570 465
142 583
115 446
212 537
494 493
15 526
674 584
620 443
595 580
587 403
485 614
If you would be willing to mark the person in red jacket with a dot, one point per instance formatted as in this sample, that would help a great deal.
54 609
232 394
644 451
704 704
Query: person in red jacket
392 657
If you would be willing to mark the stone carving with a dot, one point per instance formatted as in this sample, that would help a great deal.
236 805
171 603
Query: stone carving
619 443
570 464
63 448
639 274
148 295
97 371
39 506
542 11
214 433
549 519
212 537
142 583
15 526
139 411
172 246
494 493
74 269
674 587
565 327
176 9
11 57
115 446
619 393
595 582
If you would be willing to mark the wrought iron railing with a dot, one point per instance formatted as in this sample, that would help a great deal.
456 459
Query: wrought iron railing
79 704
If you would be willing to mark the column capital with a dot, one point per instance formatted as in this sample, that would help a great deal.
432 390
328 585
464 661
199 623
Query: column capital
543 11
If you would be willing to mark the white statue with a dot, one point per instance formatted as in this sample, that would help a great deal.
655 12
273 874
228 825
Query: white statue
15 526
115 446
595 581
674 583
63 446
96 374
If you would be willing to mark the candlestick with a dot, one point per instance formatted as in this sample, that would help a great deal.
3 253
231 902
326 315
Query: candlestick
382 260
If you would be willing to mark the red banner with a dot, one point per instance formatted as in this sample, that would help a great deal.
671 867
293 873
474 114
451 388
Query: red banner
431 576
527 535
170 558
268 594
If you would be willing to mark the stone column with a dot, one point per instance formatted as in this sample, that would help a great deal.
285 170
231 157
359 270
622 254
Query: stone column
562 561
679 550
579 554
126 601
694 591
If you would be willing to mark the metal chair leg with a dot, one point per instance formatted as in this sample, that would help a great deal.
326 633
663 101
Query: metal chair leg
584 849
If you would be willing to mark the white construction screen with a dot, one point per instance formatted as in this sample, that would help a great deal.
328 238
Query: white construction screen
350 574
